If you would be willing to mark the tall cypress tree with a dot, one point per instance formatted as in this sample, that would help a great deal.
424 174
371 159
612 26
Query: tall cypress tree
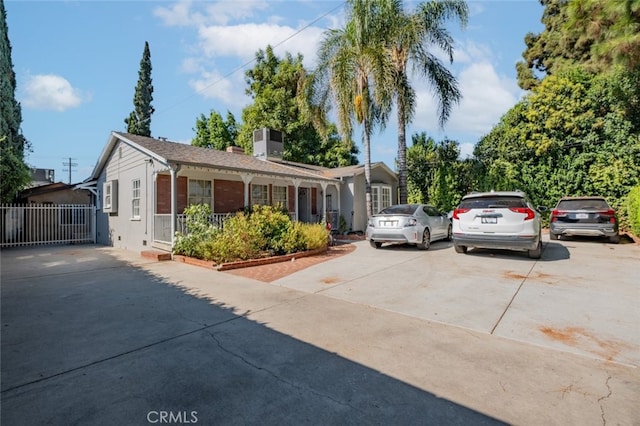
14 173
139 121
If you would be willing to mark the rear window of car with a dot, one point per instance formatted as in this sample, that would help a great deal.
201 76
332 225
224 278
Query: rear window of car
583 204
492 202
400 209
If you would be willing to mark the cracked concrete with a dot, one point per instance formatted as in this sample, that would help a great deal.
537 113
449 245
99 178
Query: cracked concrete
143 336
603 398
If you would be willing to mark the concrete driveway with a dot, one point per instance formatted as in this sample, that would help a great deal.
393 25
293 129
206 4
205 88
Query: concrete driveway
582 296
93 335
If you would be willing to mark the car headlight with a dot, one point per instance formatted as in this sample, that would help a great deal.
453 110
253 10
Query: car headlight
370 223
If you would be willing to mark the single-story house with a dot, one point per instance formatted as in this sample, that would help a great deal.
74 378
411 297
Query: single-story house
55 193
143 184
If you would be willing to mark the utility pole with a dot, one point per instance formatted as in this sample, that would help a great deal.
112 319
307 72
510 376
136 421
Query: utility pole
69 165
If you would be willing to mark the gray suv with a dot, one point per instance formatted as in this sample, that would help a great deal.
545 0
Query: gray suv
497 220
584 216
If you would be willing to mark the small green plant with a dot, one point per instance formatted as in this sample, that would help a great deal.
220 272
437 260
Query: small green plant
198 231
633 210
342 225
238 240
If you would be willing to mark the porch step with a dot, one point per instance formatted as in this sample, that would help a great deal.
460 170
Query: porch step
156 254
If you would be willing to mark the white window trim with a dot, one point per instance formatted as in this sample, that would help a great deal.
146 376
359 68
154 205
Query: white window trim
189 193
285 203
264 199
378 189
134 198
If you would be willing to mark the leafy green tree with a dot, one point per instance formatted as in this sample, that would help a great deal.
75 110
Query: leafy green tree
590 33
436 175
554 47
352 74
421 161
214 132
278 88
14 172
570 136
410 38
139 121
612 29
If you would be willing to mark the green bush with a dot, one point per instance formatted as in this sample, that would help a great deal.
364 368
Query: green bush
272 224
633 210
238 240
315 236
199 232
260 231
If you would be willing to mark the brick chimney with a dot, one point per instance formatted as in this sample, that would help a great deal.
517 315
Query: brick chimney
235 150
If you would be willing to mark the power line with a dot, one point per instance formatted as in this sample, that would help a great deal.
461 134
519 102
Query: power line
69 164
241 67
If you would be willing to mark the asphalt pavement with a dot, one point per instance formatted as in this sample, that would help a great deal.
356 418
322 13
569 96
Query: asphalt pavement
93 335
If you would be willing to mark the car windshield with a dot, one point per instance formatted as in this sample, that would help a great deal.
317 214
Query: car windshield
493 202
583 204
400 209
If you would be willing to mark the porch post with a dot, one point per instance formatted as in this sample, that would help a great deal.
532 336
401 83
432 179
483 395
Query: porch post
338 208
174 169
246 178
296 184
324 202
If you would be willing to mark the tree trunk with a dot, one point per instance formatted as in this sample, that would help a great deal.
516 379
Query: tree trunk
402 153
367 167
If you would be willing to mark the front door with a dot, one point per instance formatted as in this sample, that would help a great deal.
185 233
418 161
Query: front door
304 205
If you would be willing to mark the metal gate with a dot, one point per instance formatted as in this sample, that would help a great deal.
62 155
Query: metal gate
35 224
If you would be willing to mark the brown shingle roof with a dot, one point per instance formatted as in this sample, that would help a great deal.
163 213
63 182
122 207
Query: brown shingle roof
192 155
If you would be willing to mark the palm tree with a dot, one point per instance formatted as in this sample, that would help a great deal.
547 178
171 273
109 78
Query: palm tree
352 70
410 38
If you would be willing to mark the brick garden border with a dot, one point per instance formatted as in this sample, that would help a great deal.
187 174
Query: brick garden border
246 263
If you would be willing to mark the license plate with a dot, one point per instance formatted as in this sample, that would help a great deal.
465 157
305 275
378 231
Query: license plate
388 224
582 216
489 220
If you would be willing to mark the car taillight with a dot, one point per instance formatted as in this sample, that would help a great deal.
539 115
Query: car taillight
524 210
611 213
456 212
555 213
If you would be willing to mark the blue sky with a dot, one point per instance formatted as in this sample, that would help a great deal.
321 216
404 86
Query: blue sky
77 62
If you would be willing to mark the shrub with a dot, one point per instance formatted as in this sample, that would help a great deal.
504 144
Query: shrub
633 210
238 240
272 224
294 239
316 236
199 231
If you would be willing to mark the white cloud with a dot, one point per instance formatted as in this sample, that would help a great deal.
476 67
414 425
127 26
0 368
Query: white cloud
51 92
486 97
178 15
246 39
212 85
183 13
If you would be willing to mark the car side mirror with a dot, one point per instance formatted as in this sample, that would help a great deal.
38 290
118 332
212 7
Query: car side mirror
542 208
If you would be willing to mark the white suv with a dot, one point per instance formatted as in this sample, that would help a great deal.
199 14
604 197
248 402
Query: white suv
497 220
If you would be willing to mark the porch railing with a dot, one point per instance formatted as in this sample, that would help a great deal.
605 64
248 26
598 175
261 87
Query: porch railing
162 225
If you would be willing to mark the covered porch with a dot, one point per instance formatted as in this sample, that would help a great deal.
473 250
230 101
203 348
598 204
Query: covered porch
306 199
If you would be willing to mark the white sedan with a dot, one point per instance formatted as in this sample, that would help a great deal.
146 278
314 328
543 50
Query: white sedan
418 224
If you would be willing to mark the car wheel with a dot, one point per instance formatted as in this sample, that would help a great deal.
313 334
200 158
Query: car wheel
553 236
449 233
426 240
375 244
615 239
460 249
536 253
